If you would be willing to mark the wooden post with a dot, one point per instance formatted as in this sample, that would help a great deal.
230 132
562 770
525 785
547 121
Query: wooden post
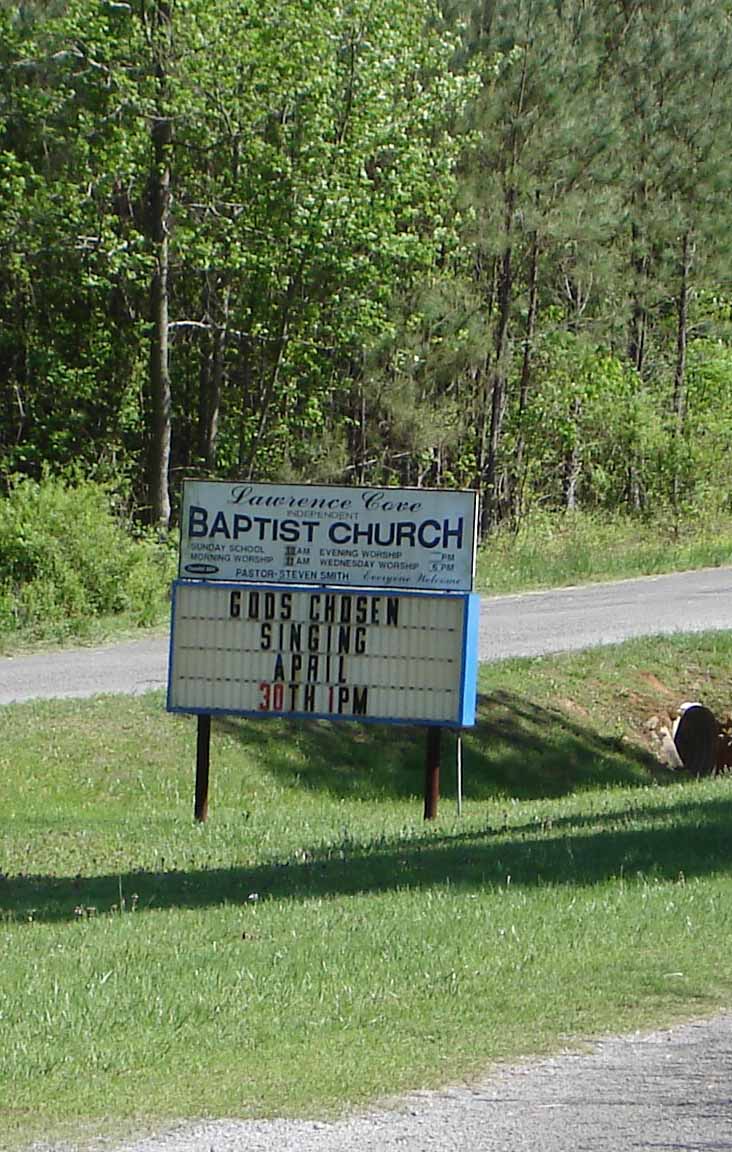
432 773
203 751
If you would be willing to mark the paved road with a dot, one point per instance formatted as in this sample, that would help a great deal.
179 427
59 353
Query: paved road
584 617
133 667
510 626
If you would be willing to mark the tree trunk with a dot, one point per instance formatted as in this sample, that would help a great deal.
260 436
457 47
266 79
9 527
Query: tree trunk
481 381
212 373
270 388
243 381
490 510
682 328
636 499
572 461
518 475
640 268
637 334
160 197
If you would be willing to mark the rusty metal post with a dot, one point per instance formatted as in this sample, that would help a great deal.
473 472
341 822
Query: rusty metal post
432 773
203 752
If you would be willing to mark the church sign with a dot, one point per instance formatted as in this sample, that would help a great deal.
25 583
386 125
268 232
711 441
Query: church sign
417 538
322 602
308 653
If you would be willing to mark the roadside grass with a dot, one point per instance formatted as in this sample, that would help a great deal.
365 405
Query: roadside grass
315 945
85 632
554 550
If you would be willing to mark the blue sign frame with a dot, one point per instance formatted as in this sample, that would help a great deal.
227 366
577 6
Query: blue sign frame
467 684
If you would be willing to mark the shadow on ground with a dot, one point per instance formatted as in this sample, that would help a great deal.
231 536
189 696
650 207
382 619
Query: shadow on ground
518 748
665 843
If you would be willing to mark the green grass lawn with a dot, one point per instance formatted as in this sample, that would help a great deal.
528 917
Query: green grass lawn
315 945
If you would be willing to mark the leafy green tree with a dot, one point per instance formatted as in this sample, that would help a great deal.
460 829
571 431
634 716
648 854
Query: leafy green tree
379 240
66 265
537 136
327 213
673 74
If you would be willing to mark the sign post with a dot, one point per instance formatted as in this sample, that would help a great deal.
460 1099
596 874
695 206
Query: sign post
203 752
432 773
309 602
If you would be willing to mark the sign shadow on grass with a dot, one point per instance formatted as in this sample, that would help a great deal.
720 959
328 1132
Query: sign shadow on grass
517 748
673 842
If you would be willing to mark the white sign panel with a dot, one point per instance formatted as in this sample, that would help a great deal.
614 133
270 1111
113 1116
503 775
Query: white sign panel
309 534
307 652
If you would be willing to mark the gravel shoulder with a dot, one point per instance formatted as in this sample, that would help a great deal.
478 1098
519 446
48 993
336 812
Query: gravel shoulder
667 1089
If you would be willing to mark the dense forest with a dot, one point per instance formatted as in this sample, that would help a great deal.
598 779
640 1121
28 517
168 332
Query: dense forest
418 242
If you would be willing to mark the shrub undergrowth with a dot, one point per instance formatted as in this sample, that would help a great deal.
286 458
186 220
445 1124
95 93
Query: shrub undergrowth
67 560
